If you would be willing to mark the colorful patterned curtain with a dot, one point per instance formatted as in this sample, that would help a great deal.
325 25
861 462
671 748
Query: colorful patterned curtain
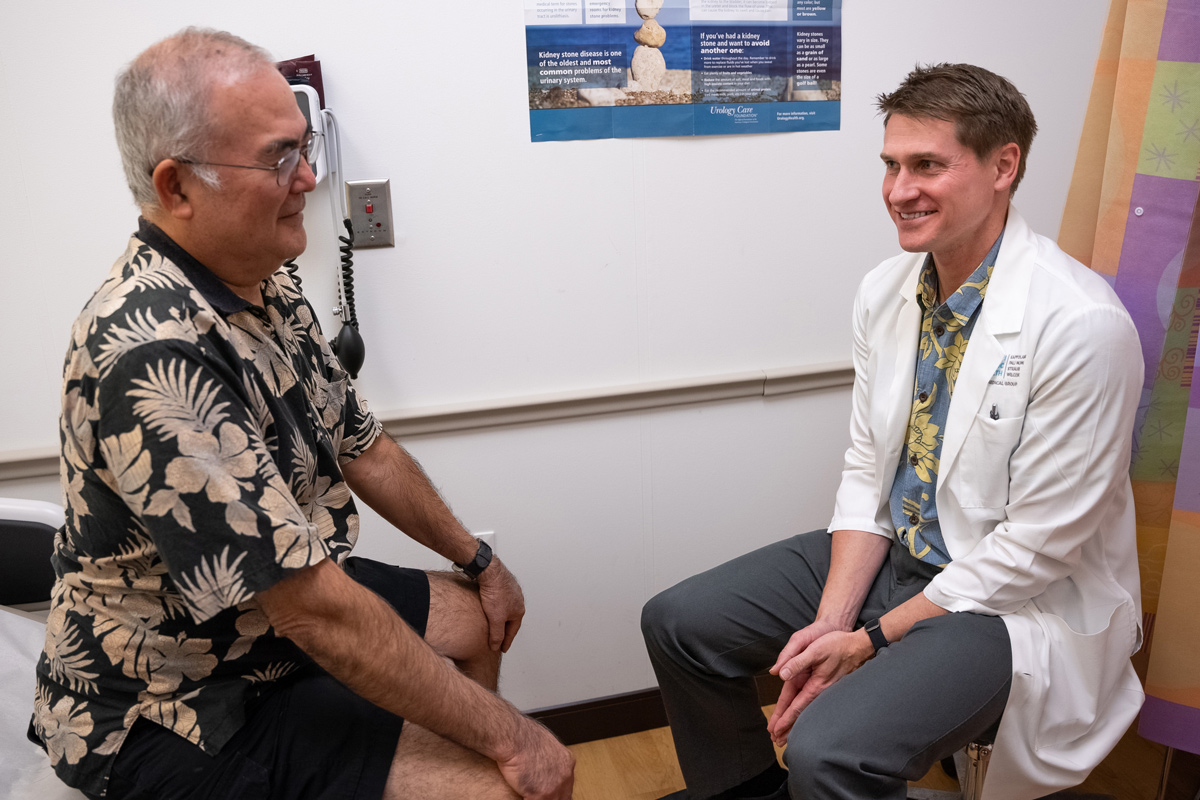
1132 215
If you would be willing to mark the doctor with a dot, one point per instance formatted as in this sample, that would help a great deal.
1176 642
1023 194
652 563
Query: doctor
979 576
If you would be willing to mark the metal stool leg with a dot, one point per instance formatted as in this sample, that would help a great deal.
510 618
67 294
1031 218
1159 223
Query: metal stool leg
971 764
1166 770
977 764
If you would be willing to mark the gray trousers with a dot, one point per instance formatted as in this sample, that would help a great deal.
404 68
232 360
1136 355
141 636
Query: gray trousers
944 684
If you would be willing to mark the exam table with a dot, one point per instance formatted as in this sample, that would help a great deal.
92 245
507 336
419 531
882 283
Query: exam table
26 577
25 772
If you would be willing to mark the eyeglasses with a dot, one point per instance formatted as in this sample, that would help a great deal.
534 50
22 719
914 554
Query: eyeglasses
285 168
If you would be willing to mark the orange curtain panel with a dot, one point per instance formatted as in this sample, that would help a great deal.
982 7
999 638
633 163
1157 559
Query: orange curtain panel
1132 216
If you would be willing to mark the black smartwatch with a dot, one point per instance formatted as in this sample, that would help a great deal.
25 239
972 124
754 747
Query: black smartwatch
875 631
483 557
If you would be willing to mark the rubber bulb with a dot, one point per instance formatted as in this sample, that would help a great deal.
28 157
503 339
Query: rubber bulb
350 350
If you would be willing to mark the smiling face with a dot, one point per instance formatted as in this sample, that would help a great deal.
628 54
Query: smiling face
245 229
942 198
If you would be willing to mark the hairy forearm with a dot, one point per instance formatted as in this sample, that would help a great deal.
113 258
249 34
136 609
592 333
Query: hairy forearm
391 482
359 639
855 561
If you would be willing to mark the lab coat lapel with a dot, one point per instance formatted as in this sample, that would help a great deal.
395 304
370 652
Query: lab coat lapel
1000 320
903 343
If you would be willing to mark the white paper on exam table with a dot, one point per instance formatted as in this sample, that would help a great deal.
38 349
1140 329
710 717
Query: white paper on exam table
25 772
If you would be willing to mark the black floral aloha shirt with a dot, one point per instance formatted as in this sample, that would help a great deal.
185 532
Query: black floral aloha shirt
202 438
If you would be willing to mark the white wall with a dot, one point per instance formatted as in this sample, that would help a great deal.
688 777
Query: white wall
523 268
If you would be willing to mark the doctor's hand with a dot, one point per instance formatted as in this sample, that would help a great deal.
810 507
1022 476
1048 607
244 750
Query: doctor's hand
812 669
503 604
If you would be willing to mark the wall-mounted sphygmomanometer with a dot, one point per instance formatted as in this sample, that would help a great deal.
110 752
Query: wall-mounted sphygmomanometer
310 105
348 344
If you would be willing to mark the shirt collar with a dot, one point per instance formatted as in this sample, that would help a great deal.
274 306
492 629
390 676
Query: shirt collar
967 297
212 288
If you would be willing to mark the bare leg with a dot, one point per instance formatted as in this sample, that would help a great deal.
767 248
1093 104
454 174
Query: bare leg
457 628
427 765
432 768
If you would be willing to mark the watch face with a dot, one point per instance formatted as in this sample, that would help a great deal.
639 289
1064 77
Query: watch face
483 557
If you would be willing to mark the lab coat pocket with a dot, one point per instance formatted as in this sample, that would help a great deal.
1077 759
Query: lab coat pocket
983 460
1084 668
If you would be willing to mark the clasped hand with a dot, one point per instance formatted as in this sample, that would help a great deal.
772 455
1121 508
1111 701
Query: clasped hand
503 604
815 658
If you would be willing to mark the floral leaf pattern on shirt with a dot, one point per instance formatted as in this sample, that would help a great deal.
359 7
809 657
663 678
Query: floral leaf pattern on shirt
158 662
129 464
215 584
907 533
174 714
68 661
950 359
143 275
924 439
261 411
218 465
170 404
942 344
272 672
251 624
202 440
63 727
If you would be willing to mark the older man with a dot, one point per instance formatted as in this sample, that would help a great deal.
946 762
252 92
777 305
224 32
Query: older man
980 568
209 636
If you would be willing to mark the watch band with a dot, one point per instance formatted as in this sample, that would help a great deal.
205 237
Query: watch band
874 630
483 557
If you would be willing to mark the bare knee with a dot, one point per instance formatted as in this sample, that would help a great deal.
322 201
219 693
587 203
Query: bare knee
428 766
458 628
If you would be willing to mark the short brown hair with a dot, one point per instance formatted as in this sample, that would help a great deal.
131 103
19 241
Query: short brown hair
986 109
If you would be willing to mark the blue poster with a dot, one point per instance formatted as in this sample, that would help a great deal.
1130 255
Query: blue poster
602 69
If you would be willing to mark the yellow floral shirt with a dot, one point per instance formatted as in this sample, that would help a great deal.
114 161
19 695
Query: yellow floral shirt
945 330
202 439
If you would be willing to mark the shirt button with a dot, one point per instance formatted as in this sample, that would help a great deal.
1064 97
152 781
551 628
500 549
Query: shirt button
914 519
923 396
912 460
939 330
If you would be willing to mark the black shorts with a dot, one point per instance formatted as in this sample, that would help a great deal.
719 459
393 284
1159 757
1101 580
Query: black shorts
309 737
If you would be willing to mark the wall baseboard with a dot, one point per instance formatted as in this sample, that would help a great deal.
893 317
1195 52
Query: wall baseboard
621 714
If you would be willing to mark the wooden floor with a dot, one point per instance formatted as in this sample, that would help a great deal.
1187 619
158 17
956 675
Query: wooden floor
642 766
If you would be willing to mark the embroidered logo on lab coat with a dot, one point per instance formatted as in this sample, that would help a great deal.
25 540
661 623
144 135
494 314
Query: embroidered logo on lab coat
1009 371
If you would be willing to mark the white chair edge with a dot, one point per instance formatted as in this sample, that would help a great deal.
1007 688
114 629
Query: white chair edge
18 510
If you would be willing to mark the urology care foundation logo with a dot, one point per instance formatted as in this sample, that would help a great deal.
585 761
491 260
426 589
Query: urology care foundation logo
736 113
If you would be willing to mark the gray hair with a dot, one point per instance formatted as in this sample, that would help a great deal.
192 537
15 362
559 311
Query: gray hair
161 103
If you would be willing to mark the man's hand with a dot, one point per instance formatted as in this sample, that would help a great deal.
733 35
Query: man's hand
503 604
541 768
393 484
800 641
815 658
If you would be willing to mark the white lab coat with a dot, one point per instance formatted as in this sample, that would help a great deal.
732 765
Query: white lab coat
1036 507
